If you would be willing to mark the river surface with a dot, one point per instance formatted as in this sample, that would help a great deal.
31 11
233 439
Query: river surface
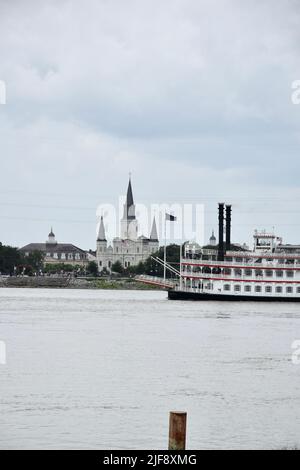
102 369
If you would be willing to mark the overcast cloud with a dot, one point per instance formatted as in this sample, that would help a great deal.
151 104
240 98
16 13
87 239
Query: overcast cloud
191 96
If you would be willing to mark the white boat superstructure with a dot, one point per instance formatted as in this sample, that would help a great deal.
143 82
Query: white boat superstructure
243 274
271 271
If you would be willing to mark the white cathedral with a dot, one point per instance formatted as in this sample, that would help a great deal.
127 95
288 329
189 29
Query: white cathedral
130 249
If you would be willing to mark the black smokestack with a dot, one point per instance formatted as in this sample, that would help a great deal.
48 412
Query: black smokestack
228 228
221 233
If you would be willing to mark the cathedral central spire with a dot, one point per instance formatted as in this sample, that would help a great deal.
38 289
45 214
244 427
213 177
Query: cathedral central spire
129 207
129 228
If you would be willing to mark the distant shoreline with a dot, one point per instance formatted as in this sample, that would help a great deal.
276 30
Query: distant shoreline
73 283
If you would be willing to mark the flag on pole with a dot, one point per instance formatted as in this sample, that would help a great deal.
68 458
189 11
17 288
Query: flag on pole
171 218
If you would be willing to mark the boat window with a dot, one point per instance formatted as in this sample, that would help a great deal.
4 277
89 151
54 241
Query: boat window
227 287
206 270
279 290
269 273
257 288
279 273
237 288
247 288
269 289
290 274
289 290
216 270
238 272
248 272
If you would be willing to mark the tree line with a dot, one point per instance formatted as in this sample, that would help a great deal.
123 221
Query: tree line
150 266
14 262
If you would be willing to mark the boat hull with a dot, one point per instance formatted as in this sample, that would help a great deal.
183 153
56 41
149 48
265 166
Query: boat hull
203 296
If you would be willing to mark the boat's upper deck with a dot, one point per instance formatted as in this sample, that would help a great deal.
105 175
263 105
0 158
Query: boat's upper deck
244 260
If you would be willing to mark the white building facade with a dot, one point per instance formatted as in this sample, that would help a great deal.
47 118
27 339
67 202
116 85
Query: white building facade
129 249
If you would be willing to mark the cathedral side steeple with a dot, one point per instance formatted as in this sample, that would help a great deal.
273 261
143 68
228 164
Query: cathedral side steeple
153 235
101 245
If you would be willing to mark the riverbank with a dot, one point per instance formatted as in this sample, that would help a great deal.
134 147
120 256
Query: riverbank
74 283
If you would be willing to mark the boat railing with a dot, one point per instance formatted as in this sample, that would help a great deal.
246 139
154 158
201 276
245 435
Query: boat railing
155 280
251 264
215 276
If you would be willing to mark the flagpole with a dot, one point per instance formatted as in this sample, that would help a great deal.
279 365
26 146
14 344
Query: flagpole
165 248
180 270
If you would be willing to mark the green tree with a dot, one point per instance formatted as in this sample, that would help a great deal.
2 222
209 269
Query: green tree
153 268
117 267
34 260
92 268
58 268
10 258
140 268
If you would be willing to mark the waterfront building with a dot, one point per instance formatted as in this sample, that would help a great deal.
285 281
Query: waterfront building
56 253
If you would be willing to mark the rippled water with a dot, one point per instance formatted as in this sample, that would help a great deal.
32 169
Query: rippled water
102 369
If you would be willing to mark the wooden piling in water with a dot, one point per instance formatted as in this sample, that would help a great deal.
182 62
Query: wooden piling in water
177 430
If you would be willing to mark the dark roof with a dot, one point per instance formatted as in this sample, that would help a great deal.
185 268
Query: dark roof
289 246
144 239
52 248
232 247
237 248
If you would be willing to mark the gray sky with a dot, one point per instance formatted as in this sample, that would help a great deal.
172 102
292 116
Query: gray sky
192 96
